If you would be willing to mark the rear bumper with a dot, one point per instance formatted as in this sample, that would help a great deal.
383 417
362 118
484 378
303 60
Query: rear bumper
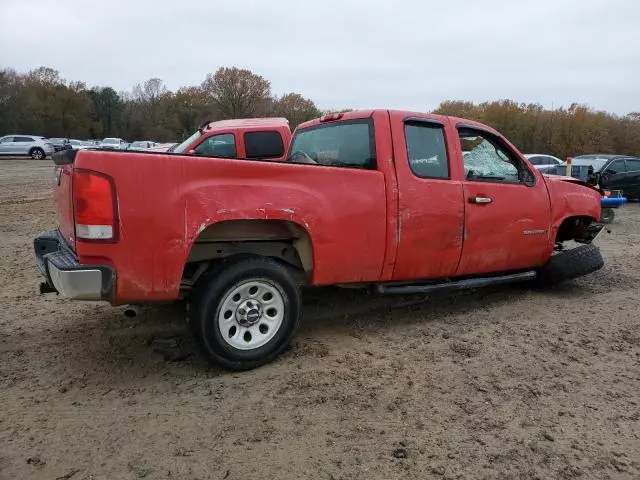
65 275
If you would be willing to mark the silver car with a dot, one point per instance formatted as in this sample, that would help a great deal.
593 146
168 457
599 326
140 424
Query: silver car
542 161
113 144
141 145
36 147
79 144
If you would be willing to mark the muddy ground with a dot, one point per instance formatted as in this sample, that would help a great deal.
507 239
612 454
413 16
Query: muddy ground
505 382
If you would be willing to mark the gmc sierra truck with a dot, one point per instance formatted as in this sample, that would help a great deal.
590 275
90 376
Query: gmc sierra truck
394 201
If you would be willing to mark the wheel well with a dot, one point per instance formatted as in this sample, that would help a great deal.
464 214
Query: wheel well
573 227
285 241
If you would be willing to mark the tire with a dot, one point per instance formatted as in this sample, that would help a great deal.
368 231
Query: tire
607 215
570 264
37 154
245 312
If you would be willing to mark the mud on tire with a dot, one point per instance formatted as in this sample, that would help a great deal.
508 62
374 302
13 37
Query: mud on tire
570 264
245 312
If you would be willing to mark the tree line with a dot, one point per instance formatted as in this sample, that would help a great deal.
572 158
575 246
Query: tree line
40 102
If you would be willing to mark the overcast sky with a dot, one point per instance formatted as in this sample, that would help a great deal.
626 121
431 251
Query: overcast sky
344 53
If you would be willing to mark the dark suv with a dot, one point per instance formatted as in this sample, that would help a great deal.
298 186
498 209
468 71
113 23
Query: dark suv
60 144
614 172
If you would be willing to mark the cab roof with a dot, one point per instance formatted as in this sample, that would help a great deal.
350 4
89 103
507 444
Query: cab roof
404 114
246 122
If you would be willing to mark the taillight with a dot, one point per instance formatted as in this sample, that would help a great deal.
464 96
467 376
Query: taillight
94 206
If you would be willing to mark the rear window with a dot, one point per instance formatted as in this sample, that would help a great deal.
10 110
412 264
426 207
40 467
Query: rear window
633 164
344 144
263 144
426 150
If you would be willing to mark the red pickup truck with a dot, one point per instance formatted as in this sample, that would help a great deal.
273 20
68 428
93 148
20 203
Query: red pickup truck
399 202
248 138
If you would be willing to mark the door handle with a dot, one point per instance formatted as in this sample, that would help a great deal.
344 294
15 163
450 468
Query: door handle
482 200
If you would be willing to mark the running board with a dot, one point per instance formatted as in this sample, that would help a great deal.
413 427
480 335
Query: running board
409 288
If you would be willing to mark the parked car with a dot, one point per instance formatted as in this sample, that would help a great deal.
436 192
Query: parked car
163 147
113 144
542 161
250 138
613 172
141 145
374 199
79 144
36 147
60 144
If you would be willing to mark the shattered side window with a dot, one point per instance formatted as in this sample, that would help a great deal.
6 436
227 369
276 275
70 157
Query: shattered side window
485 160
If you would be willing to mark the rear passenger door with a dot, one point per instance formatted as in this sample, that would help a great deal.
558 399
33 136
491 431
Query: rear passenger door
431 208
22 145
614 176
632 183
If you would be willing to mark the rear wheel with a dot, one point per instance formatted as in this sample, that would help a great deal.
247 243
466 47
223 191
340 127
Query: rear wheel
37 153
569 264
246 312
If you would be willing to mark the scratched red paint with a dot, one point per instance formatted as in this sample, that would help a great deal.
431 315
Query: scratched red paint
364 225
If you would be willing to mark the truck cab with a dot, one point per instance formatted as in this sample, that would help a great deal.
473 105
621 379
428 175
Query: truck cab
251 138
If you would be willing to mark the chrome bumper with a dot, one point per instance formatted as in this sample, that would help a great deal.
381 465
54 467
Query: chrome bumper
76 284
65 275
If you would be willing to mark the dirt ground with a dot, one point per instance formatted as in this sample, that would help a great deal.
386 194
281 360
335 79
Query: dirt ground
508 382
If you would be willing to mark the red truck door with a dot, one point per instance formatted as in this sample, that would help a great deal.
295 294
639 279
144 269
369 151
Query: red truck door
430 198
507 209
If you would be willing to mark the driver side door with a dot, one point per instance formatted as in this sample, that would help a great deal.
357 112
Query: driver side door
614 176
507 211
6 145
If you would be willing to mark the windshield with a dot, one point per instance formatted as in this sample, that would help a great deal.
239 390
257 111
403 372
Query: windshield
596 163
110 140
183 146
138 144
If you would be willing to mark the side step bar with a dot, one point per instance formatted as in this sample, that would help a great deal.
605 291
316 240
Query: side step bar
409 288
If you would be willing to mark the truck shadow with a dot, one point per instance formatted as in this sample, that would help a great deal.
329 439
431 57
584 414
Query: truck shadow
159 339
159 342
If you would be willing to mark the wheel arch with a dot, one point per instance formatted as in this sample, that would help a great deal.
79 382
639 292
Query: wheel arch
573 226
284 240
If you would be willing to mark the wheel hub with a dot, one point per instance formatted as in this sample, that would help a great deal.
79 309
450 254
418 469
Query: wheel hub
249 312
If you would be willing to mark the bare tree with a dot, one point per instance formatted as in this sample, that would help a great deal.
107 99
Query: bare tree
237 93
295 108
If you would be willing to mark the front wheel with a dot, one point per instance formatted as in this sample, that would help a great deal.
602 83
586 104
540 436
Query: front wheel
607 215
37 154
570 264
245 313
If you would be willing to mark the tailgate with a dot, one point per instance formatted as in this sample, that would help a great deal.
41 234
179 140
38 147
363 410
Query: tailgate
63 195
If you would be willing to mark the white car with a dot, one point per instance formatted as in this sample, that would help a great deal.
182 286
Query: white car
36 147
113 144
542 161
141 145
80 145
